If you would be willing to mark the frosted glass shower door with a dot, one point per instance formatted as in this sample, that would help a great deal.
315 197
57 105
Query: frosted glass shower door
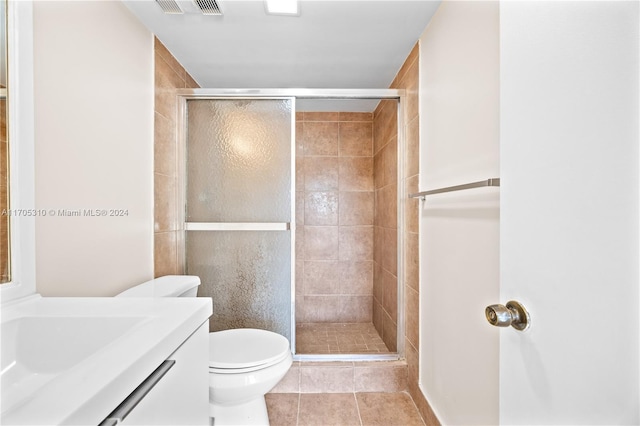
239 208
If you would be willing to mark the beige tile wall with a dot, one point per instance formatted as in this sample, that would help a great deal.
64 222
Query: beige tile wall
385 272
408 79
169 76
335 215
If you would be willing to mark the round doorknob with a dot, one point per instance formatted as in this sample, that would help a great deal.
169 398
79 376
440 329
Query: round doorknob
512 314
498 315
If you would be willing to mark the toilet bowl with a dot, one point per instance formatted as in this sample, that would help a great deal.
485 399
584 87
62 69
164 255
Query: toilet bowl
244 363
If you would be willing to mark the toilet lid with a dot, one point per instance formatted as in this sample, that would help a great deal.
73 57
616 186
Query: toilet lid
245 347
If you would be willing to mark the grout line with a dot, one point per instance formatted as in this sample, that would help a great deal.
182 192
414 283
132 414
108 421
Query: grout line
415 406
357 408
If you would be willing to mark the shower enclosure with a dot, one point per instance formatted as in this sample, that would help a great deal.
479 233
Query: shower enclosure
239 208
292 214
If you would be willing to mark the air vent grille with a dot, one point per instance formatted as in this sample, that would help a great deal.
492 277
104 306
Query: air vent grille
169 7
208 7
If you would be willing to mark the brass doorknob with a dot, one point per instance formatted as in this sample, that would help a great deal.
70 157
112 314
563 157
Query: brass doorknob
513 314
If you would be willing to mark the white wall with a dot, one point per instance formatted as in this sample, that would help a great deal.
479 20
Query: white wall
94 99
569 212
459 232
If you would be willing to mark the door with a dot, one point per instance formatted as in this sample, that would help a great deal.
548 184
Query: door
569 211
239 189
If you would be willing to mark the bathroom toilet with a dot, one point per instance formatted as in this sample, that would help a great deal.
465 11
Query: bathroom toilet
244 363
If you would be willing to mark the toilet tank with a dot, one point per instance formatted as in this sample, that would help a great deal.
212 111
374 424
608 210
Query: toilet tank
167 286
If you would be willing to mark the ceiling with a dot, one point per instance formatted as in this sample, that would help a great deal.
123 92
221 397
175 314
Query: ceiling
331 44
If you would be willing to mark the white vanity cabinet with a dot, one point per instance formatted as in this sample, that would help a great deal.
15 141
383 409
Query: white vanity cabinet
177 393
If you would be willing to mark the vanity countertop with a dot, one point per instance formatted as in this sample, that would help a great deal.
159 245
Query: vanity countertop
73 360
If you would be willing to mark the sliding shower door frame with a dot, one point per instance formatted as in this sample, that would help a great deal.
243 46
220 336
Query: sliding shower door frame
185 95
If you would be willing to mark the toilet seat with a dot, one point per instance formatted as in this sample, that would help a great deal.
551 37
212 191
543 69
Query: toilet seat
245 349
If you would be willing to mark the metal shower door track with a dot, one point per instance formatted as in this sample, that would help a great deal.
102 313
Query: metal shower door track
295 93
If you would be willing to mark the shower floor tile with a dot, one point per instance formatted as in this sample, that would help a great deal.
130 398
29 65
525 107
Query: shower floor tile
338 338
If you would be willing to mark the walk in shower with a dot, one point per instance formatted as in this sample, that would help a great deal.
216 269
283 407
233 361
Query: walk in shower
292 215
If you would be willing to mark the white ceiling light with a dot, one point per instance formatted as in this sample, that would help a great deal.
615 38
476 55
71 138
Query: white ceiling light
282 7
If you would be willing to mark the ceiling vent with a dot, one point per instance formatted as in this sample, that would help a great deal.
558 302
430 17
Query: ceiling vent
170 7
208 7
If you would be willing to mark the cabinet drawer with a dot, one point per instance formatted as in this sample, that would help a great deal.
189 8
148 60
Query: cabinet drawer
176 393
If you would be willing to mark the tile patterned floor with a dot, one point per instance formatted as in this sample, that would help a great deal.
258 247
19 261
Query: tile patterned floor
342 409
338 338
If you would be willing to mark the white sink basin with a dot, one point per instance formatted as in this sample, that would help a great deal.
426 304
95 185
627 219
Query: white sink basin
50 345
73 360
36 349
